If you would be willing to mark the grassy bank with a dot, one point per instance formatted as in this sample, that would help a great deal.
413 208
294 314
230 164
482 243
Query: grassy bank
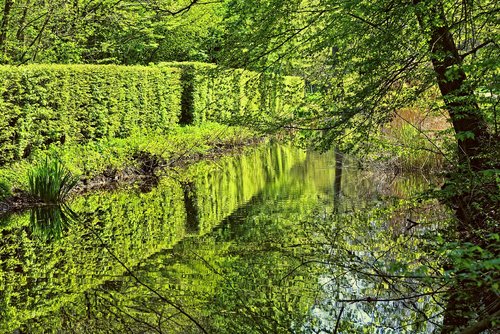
415 140
117 159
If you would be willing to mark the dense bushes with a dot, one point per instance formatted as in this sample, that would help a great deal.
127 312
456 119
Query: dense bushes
45 104
214 94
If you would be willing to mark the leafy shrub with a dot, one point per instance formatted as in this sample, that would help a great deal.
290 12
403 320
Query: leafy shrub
74 104
50 181
221 95
4 190
47 105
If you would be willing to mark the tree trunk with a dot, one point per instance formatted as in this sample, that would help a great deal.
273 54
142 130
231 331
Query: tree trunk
22 22
5 24
468 121
475 147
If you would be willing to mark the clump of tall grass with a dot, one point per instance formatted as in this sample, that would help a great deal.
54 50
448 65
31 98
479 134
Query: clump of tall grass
50 181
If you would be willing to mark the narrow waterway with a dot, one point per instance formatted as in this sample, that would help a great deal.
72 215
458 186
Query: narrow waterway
267 241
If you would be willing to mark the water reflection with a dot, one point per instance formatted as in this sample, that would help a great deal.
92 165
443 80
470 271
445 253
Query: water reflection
49 223
233 246
378 276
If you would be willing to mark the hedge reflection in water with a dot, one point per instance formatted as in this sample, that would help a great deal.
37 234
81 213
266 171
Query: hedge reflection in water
238 245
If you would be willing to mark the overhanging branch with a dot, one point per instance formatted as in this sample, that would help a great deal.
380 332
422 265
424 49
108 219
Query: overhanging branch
475 49
156 7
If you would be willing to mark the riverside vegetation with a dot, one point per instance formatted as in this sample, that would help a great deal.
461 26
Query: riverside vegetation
274 239
106 120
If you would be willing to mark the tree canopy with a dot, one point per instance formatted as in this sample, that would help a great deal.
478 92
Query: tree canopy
373 57
369 59
108 31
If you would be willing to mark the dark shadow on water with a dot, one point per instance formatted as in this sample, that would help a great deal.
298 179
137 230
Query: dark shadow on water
191 206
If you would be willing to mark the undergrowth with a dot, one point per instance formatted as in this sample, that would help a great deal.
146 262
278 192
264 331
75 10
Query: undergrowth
415 141
111 156
50 181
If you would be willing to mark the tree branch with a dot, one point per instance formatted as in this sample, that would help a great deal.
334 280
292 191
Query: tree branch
475 49
181 10
371 24
374 299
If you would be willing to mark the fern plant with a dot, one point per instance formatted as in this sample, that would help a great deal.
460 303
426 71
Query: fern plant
51 182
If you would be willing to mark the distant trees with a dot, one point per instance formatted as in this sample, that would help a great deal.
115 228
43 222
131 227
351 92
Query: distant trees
108 31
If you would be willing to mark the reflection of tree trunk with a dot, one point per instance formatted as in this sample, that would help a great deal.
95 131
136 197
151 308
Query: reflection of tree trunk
88 305
191 206
337 185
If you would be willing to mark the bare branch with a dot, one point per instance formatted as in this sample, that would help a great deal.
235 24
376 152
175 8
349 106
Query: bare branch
374 299
181 10
371 24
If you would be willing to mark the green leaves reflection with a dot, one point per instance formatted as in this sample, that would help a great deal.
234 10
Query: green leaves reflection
383 274
239 245
50 222
47 286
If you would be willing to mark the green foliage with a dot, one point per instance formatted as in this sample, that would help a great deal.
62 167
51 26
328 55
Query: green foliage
74 105
371 58
108 32
51 182
140 228
76 260
112 156
406 147
270 162
235 95
45 104
4 190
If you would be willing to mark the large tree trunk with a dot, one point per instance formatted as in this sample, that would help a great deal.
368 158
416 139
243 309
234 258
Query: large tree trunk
475 147
468 121
459 99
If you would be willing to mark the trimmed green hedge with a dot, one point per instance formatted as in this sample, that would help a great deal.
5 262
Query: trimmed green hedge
44 104
221 95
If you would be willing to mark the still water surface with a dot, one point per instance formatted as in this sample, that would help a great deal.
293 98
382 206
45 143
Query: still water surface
260 242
